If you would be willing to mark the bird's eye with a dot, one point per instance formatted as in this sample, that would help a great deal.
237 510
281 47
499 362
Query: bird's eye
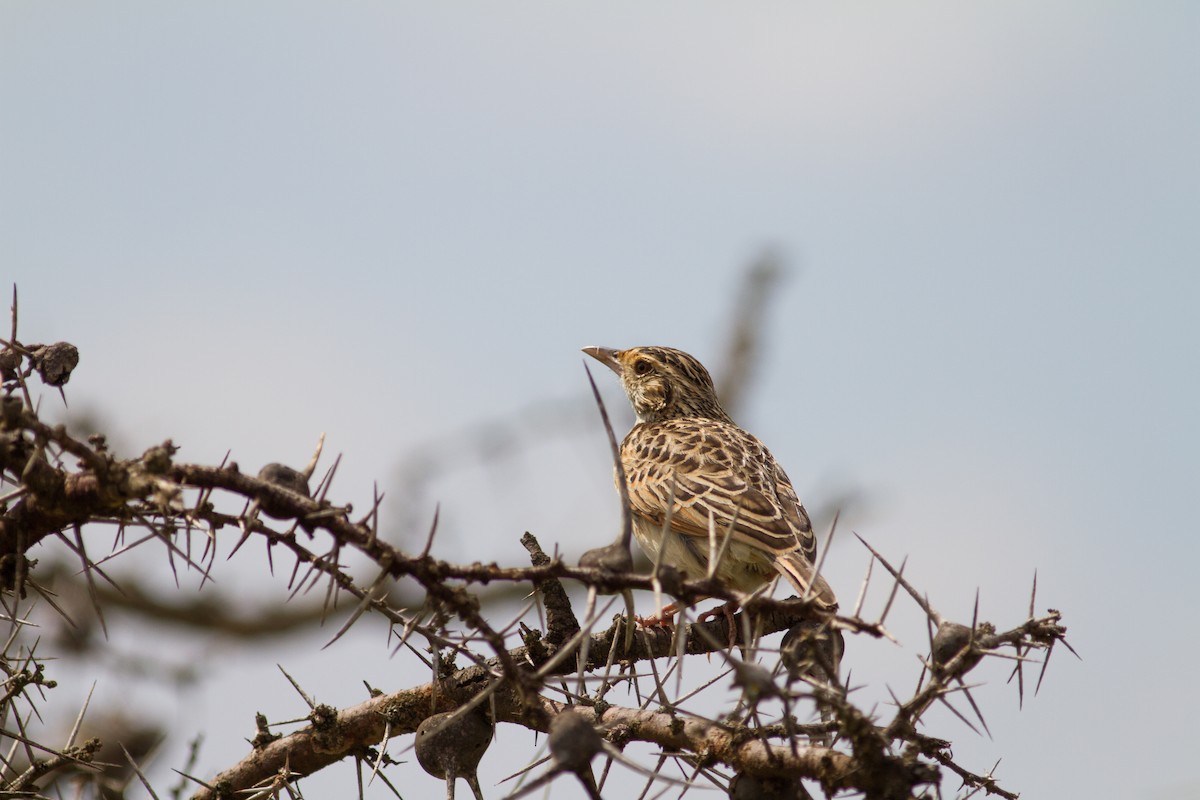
641 367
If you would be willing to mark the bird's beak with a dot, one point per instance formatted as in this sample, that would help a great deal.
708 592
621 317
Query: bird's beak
606 356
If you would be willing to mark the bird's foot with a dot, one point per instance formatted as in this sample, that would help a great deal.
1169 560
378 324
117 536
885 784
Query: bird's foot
663 619
726 610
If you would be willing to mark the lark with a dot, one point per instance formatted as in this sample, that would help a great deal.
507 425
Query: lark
687 460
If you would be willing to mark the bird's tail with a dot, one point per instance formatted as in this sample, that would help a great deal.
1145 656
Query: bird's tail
799 573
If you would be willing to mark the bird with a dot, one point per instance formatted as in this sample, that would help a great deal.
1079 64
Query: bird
687 458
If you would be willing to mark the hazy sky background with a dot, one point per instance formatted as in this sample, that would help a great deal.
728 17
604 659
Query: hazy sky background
393 221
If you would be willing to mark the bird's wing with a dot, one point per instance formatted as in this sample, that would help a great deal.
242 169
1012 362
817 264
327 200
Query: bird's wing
702 468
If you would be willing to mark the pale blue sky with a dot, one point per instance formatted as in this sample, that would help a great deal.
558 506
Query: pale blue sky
387 221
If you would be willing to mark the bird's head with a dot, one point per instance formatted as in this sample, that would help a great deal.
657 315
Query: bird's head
662 383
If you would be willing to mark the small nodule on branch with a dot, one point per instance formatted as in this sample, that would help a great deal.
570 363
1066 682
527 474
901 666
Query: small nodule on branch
450 745
55 362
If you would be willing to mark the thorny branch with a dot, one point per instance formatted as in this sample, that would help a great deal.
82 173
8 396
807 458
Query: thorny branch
55 486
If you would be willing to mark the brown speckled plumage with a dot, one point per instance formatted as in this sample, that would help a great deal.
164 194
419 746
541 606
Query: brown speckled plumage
686 454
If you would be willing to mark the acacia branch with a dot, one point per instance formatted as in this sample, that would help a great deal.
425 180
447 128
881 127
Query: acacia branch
63 483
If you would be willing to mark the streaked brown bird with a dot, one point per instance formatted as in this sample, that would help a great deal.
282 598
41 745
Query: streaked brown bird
686 454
